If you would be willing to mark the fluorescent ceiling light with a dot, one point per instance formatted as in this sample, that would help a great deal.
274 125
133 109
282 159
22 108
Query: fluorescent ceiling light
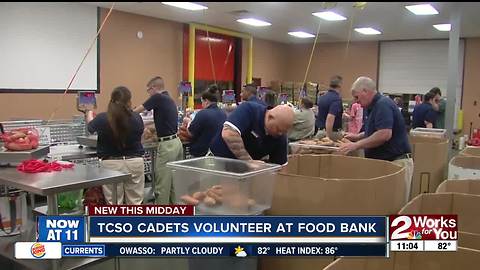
186 5
329 16
301 34
254 22
368 31
443 27
425 9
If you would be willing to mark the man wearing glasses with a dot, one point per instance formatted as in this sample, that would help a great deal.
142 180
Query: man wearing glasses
165 117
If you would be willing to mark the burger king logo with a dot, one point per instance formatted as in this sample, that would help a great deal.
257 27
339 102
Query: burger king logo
38 250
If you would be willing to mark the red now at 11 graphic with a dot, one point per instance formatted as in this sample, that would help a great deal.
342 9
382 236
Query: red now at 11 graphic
423 232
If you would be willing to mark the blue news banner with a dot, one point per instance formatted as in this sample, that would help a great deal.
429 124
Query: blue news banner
238 236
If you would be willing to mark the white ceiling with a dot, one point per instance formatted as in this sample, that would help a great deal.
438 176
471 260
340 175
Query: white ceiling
392 19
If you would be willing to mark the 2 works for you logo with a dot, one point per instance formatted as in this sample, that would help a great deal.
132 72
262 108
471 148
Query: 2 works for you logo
38 250
423 227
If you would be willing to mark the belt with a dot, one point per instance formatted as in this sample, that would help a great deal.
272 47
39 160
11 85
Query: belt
121 157
167 138
404 156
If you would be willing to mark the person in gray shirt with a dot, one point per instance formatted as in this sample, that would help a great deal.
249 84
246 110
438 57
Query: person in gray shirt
304 122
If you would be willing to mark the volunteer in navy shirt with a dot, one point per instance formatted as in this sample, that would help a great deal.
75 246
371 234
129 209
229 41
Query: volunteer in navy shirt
206 124
385 135
330 111
252 132
119 146
170 148
249 93
424 114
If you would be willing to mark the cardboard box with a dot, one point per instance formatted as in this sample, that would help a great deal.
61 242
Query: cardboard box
430 157
464 186
462 259
338 185
293 263
333 185
471 151
276 86
469 240
465 239
464 167
463 205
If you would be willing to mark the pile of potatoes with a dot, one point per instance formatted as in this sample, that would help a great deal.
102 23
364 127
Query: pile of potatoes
325 142
217 195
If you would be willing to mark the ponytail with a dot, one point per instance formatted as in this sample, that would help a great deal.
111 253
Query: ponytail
118 115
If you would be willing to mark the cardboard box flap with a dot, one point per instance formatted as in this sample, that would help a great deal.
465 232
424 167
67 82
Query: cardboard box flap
466 162
466 206
469 240
340 167
463 259
298 191
471 151
427 140
428 204
471 186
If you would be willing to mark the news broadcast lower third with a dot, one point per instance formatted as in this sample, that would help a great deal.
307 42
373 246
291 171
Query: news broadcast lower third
175 231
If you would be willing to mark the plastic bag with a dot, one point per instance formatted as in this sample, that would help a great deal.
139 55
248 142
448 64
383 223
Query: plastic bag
21 139
70 201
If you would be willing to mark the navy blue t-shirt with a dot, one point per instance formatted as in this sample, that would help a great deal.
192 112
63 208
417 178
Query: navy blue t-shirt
330 103
257 100
105 143
384 114
423 112
165 114
206 124
249 120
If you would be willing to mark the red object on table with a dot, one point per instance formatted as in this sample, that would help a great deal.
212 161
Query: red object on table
36 166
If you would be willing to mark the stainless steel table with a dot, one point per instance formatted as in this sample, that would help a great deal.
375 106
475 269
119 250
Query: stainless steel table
7 251
50 184
70 152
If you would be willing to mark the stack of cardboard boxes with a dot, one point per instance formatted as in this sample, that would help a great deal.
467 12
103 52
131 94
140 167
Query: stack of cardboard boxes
430 157
293 89
334 185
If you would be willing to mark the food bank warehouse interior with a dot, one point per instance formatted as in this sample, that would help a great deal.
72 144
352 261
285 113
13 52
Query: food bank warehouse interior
237 112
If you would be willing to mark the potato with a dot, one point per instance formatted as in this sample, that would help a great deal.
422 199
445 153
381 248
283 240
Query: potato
199 195
251 202
214 195
189 200
238 201
217 188
209 201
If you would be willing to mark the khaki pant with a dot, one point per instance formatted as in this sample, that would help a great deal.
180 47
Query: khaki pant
408 164
337 135
130 191
167 151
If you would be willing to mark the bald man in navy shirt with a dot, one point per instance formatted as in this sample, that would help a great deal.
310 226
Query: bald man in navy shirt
252 132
